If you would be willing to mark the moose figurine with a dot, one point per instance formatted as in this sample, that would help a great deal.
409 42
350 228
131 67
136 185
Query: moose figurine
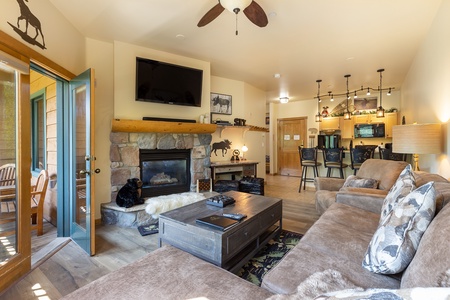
223 145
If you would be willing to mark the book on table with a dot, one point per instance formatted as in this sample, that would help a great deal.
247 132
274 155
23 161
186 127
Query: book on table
218 222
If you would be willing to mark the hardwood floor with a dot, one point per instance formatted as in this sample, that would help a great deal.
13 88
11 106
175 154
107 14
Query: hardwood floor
61 266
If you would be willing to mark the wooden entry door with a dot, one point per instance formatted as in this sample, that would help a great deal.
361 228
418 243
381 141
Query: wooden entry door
291 134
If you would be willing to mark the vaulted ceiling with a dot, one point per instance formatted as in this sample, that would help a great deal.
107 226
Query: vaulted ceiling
305 40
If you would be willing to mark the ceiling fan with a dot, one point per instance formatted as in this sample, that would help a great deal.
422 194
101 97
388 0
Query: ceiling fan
251 9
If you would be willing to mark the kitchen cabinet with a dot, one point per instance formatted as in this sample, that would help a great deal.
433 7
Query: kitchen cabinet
390 119
329 123
346 127
366 119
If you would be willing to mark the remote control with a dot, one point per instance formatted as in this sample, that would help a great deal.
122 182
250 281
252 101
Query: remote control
235 216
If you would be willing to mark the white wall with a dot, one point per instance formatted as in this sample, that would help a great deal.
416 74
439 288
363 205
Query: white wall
125 106
64 44
426 90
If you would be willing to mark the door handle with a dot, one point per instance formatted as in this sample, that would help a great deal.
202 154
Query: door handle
85 172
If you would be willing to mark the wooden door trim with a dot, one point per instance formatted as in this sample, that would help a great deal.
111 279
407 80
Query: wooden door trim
34 56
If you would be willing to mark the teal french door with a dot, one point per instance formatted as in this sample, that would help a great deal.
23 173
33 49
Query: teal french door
82 161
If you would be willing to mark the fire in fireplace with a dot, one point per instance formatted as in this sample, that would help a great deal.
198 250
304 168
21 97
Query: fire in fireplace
165 172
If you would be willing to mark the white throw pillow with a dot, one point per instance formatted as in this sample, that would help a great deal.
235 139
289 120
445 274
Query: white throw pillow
397 238
404 185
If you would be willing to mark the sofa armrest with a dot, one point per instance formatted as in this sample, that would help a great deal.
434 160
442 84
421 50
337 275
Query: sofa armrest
369 202
327 183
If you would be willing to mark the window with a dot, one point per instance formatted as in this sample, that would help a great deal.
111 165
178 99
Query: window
38 126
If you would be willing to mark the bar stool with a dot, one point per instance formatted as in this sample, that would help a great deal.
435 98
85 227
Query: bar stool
308 158
386 153
333 159
358 156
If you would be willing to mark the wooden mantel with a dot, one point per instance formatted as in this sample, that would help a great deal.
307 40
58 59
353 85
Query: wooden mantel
119 125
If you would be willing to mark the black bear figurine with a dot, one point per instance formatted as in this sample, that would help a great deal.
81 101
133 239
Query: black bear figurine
130 193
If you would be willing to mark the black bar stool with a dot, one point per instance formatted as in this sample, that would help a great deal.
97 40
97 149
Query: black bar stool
333 159
360 155
308 158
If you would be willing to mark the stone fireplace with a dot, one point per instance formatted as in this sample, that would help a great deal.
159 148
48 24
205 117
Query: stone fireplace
125 157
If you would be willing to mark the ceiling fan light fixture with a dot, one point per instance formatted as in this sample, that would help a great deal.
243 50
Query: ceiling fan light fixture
235 5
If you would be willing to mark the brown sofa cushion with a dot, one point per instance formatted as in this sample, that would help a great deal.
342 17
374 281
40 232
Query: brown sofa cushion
385 171
169 273
432 258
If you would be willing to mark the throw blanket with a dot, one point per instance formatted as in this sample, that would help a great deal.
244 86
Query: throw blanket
160 204
317 284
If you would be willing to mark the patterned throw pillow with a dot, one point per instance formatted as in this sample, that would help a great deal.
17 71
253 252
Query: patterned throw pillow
405 183
356 182
396 240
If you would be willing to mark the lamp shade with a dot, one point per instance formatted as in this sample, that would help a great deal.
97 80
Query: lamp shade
417 139
232 4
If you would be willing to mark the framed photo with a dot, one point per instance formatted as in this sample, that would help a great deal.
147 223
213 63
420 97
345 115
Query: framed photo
221 104
366 103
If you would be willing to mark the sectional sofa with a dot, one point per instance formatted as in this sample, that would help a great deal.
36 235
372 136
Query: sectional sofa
327 262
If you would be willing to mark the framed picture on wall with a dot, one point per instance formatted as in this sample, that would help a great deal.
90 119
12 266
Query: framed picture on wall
221 104
366 103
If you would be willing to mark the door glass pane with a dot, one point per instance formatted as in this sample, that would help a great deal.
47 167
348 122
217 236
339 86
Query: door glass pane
80 148
8 220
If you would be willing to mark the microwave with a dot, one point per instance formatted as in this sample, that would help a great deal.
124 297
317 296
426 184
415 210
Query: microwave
369 130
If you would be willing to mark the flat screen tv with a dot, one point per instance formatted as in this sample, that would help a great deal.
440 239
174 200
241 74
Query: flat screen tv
166 83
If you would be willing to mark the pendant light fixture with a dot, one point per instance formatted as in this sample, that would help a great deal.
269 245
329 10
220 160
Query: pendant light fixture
380 109
347 114
319 115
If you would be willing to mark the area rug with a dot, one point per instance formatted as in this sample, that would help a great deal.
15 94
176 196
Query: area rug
269 256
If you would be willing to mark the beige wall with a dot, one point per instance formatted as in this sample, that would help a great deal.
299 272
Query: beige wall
99 56
248 103
125 106
64 44
426 92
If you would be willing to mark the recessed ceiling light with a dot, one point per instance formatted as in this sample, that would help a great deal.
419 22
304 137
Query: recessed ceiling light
350 58
272 14
276 75
180 36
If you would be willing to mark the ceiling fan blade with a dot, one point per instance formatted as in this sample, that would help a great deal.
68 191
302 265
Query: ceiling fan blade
211 15
256 14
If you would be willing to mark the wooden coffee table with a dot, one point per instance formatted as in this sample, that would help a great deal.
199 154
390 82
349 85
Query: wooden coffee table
229 249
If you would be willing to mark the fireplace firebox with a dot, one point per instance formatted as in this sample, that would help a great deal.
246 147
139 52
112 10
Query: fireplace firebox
165 172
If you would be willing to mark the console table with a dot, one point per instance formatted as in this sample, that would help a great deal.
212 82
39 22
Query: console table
241 168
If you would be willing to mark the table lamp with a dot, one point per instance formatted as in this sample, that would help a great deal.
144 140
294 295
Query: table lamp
416 139
244 149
